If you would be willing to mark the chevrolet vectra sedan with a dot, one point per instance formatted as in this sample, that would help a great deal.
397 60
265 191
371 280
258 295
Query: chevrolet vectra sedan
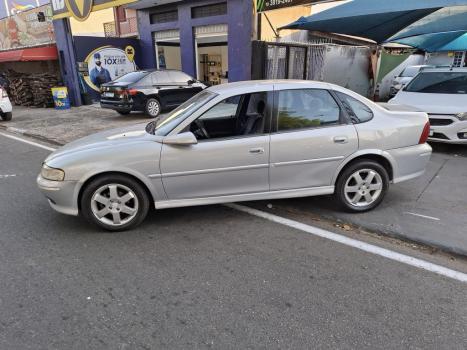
240 142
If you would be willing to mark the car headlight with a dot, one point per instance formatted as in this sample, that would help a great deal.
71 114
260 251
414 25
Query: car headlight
462 116
52 174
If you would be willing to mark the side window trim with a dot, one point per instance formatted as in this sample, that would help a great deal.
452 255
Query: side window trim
274 128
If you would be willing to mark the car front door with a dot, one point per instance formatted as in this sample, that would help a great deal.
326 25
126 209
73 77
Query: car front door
310 139
187 87
231 156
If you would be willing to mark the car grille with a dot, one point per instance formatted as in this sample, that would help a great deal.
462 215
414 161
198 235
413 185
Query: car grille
440 122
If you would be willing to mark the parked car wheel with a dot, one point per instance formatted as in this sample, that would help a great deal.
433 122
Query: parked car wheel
114 202
7 116
362 186
153 108
123 112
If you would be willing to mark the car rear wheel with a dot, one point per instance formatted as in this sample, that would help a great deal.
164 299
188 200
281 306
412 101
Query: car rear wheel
7 116
362 186
153 108
114 202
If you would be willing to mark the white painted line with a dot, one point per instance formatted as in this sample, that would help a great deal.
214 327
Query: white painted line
422 216
369 248
28 142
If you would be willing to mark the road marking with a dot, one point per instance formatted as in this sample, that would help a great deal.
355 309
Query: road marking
422 216
369 248
28 142
5 176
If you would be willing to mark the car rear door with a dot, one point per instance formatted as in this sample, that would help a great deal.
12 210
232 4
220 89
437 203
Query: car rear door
310 138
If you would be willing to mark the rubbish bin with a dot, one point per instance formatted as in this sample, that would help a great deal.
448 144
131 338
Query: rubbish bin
60 96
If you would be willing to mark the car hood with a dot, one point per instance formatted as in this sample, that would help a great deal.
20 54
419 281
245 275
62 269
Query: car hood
432 103
109 138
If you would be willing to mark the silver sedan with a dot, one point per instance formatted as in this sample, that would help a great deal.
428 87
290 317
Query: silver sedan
241 142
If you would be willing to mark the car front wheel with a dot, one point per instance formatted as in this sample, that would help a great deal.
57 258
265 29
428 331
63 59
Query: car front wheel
362 186
114 202
153 108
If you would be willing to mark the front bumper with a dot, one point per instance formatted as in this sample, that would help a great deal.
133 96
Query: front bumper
455 130
60 194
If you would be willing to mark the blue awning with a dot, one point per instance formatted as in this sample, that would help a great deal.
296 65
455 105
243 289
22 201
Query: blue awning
379 20
434 42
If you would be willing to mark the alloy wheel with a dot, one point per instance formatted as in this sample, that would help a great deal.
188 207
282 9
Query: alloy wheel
153 108
363 187
114 204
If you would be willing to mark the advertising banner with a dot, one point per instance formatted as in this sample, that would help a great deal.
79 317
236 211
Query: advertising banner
24 29
107 63
81 9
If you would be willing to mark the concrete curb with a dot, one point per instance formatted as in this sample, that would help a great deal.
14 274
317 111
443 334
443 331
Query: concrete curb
27 133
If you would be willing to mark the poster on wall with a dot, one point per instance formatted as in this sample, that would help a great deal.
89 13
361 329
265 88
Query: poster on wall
24 30
108 63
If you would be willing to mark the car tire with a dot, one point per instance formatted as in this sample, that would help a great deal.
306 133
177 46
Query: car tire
123 112
7 116
153 107
114 202
362 186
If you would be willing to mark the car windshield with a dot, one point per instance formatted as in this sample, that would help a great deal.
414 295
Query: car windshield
166 124
439 83
409 72
132 77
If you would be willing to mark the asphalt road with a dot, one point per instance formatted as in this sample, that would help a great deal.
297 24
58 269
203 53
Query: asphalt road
206 277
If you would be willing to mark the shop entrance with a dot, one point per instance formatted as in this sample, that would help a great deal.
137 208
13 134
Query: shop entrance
167 46
212 63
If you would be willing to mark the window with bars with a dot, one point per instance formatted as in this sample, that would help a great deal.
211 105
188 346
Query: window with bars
458 59
164 17
209 10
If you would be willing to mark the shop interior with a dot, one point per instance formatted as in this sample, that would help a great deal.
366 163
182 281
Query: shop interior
213 60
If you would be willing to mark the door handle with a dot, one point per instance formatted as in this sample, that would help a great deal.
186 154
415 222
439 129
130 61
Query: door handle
258 150
341 139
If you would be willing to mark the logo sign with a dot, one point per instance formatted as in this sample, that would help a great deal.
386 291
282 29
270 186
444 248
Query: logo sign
108 63
81 9
266 5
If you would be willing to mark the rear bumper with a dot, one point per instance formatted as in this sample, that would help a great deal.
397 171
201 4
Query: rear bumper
117 105
410 162
5 105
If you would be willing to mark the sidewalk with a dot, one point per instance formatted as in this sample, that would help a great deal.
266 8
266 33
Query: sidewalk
431 209
60 127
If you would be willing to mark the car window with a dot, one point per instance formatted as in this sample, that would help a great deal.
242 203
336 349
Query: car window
225 109
439 83
358 112
306 108
179 77
132 77
409 72
236 116
160 78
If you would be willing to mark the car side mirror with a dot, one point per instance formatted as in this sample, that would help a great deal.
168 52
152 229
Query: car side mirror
183 139
191 81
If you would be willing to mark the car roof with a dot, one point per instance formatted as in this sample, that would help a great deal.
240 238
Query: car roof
252 85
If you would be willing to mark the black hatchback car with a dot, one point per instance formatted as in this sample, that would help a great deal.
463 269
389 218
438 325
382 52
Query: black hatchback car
150 91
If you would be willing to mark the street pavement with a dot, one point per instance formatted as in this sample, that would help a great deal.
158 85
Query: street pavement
203 277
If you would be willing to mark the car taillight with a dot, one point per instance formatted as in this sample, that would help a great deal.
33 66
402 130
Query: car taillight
132 92
425 133
127 92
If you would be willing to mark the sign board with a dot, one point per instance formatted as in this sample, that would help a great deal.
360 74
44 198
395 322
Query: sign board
23 29
266 5
81 9
107 63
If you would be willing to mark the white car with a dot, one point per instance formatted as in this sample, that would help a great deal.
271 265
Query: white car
442 93
5 105
404 78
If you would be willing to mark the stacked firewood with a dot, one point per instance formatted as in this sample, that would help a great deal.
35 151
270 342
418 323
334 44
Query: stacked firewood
31 89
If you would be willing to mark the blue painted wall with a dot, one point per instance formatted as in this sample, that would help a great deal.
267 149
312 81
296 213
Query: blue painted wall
239 21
